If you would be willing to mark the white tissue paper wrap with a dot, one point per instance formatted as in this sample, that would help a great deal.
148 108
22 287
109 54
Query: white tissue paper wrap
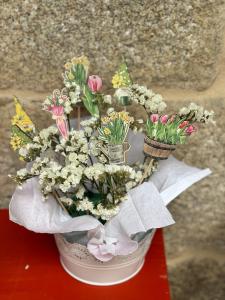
145 209
173 177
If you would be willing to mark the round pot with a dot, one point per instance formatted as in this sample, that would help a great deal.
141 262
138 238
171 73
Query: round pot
83 266
156 149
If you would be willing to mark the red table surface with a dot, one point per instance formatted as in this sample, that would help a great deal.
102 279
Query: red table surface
46 279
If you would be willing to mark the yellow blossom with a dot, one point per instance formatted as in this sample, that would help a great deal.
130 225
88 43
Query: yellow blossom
105 120
117 115
16 142
118 81
82 60
107 131
125 117
113 116
70 76
68 65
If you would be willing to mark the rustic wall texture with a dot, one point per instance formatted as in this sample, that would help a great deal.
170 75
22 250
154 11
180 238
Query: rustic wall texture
169 45
165 42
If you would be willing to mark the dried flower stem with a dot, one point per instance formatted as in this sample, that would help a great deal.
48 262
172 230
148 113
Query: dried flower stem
56 196
149 166
78 117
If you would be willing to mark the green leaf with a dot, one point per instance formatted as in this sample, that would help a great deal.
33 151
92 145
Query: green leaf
80 74
95 198
16 131
89 102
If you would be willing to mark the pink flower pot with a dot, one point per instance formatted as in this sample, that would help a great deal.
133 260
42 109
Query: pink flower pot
83 266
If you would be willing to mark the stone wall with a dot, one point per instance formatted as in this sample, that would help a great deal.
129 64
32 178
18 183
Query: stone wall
169 45
165 42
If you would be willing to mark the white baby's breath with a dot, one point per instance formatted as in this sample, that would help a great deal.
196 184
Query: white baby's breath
153 103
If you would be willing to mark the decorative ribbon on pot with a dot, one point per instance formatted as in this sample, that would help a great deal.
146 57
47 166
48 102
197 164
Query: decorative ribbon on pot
104 248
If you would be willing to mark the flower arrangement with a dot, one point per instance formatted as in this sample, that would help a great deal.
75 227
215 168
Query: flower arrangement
82 168
100 178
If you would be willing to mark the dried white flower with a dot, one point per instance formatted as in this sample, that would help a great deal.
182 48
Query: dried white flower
107 99
153 103
85 205
22 172
110 110
66 200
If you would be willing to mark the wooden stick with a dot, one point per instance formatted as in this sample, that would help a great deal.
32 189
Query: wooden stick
78 117
126 140
147 169
55 194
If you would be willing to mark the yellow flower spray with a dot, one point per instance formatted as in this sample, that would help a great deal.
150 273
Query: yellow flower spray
21 119
121 77
22 127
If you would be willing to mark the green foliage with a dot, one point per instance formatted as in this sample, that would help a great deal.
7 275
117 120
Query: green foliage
16 131
77 74
80 74
95 198
90 102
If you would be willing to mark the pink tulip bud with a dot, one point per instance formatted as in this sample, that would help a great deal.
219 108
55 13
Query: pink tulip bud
183 124
94 83
172 118
164 119
154 118
190 129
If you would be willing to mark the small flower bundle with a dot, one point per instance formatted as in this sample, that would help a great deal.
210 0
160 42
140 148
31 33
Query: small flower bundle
23 129
59 105
164 130
86 170
176 128
81 87
121 78
115 127
121 81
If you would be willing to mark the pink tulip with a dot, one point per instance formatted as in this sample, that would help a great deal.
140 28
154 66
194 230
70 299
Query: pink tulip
172 118
154 118
190 129
94 83
183 124
164 119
